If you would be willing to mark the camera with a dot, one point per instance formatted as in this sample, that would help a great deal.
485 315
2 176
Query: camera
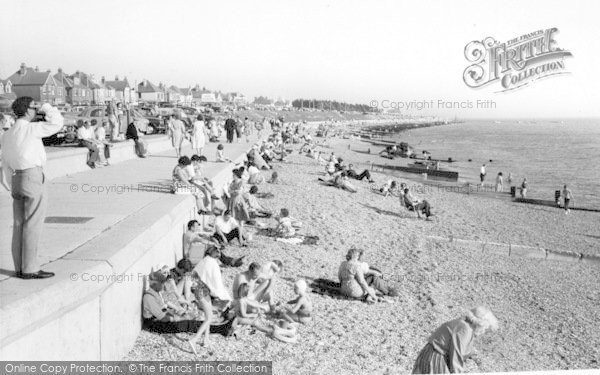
39 117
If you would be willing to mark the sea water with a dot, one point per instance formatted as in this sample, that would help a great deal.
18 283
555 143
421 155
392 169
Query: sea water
549 153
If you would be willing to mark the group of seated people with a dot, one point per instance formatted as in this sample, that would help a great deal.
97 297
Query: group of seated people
187 178
95 141
407 198
193 298
361 281
340 174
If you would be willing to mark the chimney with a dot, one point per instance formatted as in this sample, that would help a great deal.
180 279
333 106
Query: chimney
102 80
60 71
116 78
37 68
23 69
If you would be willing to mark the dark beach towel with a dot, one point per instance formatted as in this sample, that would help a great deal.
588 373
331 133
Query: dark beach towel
330 288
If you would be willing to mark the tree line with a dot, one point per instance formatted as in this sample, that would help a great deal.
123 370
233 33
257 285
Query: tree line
332 105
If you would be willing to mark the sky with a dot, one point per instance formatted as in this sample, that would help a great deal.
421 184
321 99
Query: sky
354 51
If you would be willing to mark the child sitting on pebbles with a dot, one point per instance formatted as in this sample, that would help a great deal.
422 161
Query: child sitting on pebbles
286 226
221 156
302 309
247 313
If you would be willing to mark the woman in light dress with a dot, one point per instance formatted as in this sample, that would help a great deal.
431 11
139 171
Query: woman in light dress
352 278
176 132
198 135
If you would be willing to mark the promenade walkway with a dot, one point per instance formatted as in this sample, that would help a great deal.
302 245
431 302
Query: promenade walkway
116 220
83 205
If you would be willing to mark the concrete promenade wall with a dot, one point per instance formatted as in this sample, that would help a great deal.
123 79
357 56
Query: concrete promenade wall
73 160
91 310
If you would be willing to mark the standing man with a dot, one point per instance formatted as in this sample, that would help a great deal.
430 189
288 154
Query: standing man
23 161
482 174
230 128
524 187
567 196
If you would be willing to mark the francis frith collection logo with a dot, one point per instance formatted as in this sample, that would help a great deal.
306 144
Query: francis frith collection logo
515 63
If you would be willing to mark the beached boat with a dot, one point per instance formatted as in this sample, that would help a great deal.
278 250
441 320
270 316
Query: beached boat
551 203
449 160
422 168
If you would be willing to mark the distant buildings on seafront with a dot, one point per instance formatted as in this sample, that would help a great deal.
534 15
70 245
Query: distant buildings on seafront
81 88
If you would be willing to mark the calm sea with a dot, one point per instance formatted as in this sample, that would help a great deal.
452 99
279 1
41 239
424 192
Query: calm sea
549 153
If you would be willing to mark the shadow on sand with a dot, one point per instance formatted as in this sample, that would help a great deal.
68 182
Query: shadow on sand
381 211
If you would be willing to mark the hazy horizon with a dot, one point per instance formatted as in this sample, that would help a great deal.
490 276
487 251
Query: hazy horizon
348 51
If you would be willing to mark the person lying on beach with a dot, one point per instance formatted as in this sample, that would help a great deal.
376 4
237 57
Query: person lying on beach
302 309
341 181
255 209
353 174
448 348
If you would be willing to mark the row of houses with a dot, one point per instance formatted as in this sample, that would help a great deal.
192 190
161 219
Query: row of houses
83 89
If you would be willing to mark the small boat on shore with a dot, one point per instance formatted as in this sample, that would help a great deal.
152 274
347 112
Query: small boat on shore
550 203
449 160
421 168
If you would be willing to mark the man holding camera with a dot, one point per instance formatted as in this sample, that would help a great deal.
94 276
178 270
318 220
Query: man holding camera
23 161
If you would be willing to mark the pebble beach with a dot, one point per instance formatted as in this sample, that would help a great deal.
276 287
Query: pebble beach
547 309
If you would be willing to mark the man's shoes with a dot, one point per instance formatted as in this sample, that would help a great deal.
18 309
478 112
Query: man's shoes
37 275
